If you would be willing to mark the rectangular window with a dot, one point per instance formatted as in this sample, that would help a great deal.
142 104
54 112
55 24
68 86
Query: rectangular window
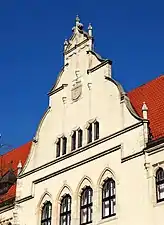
89 133
64 145
73 147
80 138
96 130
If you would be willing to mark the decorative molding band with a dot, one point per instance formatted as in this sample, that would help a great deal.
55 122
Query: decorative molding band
83 148
133 156
58 89
76 46
99 155
24 199
7 208
75 165
155 149
107 61
99 57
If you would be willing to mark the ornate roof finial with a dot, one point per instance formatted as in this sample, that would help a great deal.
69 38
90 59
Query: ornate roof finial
90 30
65 42
78 24
77 20
144 107
19 167
144 111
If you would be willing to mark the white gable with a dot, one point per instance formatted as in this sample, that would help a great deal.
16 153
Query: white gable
84 92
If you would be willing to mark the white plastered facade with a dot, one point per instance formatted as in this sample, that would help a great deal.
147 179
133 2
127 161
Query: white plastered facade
117 154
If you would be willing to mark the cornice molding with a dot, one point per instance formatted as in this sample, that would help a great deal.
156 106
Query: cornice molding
103 63
155 149
76 46
133 156
57 89
75 165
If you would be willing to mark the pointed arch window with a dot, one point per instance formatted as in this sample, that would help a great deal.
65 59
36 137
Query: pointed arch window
80 138
86 206
108 198
65 210
46 213
160 184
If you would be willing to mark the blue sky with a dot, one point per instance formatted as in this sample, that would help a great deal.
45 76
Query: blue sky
32 32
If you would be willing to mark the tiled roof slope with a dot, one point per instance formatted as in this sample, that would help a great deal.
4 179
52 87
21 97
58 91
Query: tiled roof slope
11 160
152 93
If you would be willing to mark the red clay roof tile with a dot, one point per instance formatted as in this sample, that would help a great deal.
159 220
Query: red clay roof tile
11 160
152 94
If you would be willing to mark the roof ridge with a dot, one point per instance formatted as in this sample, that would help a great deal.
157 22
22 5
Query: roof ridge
147 83
13 149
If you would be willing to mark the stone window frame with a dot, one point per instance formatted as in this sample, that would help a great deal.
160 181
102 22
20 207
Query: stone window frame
107 173
157 183
75 133
110 198
66 198
47 218
88 206
94 135
61 146
46 197
64 191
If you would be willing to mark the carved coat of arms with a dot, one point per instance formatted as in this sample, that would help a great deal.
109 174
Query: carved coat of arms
76 91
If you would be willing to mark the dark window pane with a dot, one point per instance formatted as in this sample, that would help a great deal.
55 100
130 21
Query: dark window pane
80 138
86 206
46 214
58 148
160 184
69 219
108 199
90 196
96 130
89 133
84 215
73 141
64 145
89 214
65 211
160 174
106 208
112 206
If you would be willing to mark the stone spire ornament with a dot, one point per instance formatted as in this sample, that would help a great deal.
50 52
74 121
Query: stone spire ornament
77 20
78 25
19 167
144 111
65 44
145 124
90 30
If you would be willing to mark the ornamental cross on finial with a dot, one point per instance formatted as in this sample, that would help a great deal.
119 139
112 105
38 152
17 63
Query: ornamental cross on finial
78 25
77 20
